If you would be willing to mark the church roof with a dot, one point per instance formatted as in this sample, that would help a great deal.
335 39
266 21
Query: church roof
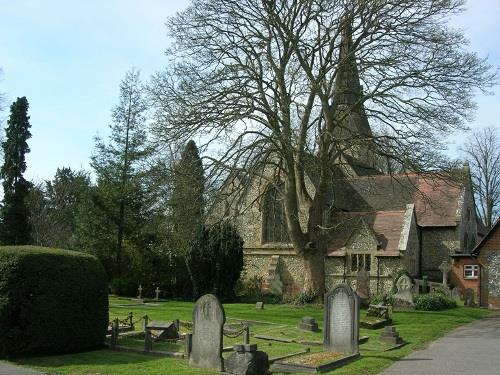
386 226
438 200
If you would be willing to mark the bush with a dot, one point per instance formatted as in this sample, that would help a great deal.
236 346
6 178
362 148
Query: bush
433 302
51 301
215 261
304 298
381 299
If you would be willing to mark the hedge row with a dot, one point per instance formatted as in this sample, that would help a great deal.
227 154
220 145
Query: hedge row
51 301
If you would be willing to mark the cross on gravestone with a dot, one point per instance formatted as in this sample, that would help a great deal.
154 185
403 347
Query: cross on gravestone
341 331
445 267
208 323
140 292
157 293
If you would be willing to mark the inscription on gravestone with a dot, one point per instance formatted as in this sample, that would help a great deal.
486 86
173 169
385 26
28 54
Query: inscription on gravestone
208 323
341 332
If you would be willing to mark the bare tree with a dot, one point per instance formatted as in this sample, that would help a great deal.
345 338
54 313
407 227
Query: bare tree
483 152
283 85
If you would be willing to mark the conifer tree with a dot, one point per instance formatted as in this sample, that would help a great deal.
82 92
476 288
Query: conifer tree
15 225
187 201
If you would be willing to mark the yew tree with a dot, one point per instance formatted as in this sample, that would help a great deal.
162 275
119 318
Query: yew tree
277 84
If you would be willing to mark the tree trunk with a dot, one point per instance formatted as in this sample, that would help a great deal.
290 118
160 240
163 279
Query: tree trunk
314 272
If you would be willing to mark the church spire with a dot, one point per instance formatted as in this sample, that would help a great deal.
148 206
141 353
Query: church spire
352 130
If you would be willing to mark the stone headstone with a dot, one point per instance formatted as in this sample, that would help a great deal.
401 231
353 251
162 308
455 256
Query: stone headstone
259 305
455 294
208 323
445 267
164 330
140 292
469 298
341 331
378 311
308 324
157 293
247 360
363 286
391 336
403 298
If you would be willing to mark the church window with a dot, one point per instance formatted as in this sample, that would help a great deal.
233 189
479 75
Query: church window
274 219
360 261
471 271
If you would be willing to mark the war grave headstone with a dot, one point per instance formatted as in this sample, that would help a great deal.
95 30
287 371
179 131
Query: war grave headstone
309 324
208 323
340 332
363 287
403 299
469 298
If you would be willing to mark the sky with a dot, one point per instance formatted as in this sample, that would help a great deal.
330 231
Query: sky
68 58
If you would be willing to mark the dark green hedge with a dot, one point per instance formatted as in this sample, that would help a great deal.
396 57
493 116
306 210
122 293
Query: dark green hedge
433 302
51 301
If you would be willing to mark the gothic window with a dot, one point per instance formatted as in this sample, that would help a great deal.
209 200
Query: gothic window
360 261
274 229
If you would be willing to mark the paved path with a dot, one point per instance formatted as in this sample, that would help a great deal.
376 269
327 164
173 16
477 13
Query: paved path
473 349
8 369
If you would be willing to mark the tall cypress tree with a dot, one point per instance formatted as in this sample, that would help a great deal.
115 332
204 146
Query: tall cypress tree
15 225
187 202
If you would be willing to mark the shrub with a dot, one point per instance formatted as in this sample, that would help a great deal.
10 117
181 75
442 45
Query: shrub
433 302
51 301
381 299
304 298
215 261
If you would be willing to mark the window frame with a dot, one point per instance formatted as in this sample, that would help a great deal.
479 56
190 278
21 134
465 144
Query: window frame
474 271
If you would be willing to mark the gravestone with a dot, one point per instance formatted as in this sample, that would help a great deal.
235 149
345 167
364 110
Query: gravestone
247 360
208 323
469 298
403 298
157 293
259 305
140 292
445 267
341 331
164 330
391 336
363 287
455 294
308 324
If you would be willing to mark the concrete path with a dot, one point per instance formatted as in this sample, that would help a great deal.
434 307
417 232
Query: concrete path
8 369
473 349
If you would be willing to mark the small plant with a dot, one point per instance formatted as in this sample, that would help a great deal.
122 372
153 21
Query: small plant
381 299
305 297
433 302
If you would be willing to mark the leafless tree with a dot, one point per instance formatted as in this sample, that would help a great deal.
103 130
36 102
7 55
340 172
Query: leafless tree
483 152
272 84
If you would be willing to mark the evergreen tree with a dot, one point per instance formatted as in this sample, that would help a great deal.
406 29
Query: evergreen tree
186 202
15 225
121 194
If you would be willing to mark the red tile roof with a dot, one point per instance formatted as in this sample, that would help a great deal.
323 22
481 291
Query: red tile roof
386 225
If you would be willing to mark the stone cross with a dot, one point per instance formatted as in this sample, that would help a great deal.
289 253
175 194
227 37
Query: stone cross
208 323
140 292
157 293
341 330
445 268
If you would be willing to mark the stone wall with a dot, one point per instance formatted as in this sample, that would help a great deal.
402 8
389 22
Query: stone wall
437 245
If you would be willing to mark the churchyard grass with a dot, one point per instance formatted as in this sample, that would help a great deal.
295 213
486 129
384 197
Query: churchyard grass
280 321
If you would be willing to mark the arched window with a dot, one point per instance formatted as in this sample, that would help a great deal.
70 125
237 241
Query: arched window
274 227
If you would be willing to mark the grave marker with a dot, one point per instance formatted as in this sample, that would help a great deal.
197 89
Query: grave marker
403 298
445 267
208 323
341 331
157 293
363 286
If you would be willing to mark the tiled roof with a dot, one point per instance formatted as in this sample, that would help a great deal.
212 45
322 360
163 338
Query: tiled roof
386 225
437 200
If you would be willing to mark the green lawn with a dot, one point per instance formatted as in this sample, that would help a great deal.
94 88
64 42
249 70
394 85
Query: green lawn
417 328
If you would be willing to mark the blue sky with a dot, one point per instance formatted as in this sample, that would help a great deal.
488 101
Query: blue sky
68 58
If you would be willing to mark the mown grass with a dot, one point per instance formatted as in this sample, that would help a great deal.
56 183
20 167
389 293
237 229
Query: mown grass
416 327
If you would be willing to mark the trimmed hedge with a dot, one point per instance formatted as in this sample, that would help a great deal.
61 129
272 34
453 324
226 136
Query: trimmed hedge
433 302
51 301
